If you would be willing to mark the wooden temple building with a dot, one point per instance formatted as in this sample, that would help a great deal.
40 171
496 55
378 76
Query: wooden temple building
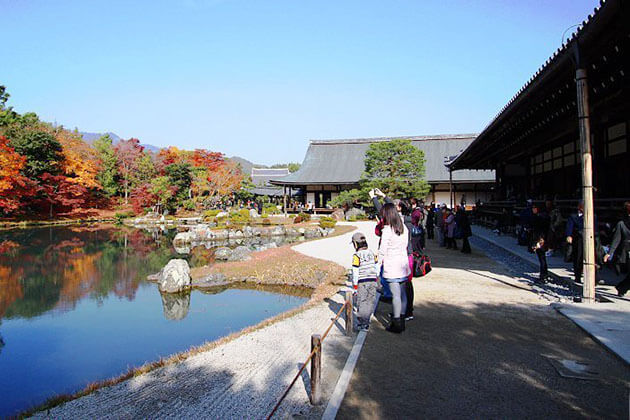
533 144
331 166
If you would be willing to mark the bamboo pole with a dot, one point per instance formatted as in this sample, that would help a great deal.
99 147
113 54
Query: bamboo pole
588 293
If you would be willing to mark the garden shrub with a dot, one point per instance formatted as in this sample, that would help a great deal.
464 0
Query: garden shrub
211 213
266 222
270 209
327 222
297 219
121 215
189 205
240 217
305 216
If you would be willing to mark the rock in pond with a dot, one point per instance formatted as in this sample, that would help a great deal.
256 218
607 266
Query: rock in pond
174 277
222 253
175 305
211 280
240 253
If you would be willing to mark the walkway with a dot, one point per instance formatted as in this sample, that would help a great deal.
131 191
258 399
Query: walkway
608 323
481 345
339 249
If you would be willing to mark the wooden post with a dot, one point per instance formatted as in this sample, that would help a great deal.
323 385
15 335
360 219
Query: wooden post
284 200
316 369
588 293
450 186
349 312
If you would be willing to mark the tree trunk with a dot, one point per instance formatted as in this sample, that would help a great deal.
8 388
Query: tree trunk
50 214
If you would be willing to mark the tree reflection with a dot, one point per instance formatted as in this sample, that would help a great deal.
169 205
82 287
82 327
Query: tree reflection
54 268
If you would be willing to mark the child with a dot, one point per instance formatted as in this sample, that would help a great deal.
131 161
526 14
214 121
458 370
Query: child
540 249
364 276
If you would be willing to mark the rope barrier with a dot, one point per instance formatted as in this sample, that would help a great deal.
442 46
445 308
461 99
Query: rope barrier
308 359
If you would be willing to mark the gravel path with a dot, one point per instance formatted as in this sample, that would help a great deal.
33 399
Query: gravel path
339 248
242 378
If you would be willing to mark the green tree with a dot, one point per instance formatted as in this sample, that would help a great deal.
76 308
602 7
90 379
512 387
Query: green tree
7 114
108 174
397 168
165 192
346 199
145 170
180 176
42 151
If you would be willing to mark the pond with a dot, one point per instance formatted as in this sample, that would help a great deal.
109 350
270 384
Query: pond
75 308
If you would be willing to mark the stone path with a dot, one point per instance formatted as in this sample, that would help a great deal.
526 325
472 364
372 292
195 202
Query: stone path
607 322
482 345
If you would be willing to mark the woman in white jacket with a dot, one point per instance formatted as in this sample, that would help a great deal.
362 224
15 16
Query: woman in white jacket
392 255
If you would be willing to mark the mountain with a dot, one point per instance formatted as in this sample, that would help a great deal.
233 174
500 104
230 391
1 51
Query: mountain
91 137
246 165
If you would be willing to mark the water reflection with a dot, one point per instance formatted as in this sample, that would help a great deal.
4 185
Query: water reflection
51 269
75 307
175 305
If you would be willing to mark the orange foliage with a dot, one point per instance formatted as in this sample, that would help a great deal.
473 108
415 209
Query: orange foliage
80 162
225 180
10 287
13 185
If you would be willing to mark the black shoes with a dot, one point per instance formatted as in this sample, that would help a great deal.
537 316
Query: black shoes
396 325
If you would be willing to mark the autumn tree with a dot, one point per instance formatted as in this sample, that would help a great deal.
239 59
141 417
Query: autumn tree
128 152
80 163
142 197
58 193
107 175
14 186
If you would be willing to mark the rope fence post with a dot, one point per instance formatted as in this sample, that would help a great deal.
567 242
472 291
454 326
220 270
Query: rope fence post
316 369
349 312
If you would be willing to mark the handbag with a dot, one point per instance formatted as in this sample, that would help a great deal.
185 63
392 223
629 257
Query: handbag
421 264
416 231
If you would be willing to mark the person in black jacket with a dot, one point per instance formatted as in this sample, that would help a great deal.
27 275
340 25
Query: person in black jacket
463 228
621 243
574 232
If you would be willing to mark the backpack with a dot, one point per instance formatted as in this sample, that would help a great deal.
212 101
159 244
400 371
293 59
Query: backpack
421 264
416 231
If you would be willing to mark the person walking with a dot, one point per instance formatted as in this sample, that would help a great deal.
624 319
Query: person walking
450 230
364 275
386 294
441 227
463 227
392 256
574 231
621 243
430 222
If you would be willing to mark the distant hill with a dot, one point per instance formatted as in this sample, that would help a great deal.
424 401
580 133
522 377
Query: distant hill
246 165
91 137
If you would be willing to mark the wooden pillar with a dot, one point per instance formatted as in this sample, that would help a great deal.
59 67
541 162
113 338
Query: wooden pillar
588 293
284 200
450 186
316 369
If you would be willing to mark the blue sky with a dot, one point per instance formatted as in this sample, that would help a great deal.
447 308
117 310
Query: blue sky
259 79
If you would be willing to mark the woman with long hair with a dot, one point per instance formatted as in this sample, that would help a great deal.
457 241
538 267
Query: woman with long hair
392 255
